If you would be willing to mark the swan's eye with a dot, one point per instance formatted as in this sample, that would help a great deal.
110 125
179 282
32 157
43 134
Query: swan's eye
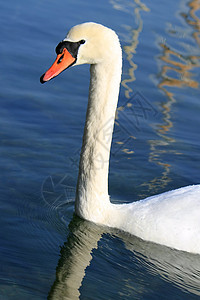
60 59
82 42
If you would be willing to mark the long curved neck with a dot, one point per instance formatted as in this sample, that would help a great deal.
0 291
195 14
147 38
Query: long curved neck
92 187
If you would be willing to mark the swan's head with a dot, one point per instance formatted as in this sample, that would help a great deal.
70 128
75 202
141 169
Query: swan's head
87 43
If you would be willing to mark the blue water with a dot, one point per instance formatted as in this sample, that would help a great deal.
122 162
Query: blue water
45 250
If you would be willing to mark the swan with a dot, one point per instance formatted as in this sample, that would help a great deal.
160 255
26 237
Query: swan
171 218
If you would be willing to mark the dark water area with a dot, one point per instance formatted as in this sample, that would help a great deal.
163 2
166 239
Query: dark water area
45 250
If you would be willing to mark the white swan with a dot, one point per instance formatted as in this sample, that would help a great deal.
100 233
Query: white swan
172 218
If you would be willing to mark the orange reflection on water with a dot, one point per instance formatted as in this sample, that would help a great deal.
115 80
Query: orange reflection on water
130 50
194 21
177 72
182 67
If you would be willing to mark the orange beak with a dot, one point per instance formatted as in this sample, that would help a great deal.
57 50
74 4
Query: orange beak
63 61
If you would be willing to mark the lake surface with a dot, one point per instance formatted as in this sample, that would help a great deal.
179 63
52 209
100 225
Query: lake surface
45 250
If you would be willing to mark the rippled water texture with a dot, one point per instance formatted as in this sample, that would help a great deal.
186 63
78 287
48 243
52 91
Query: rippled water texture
45 250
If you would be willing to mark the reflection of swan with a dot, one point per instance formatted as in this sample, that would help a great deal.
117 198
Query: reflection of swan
75 257
171 219
179 268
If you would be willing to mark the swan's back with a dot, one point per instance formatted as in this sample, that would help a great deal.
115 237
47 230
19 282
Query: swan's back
171 218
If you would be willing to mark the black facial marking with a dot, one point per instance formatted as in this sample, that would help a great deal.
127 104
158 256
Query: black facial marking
60 59
72 47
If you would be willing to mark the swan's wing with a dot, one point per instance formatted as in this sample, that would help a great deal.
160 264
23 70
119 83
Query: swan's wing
171 218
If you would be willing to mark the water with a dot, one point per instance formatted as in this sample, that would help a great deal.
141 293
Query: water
156 147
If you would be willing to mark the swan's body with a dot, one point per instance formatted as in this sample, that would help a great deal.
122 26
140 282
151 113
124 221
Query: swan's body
172 218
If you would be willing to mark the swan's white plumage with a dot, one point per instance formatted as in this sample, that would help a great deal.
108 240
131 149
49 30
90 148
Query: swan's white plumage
171 218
